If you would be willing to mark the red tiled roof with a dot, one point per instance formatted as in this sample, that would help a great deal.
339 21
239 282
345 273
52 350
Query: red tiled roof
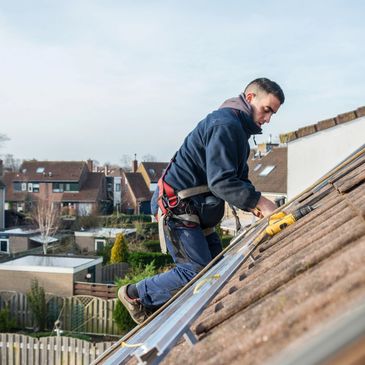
51 170
138 186
276 180
324 124
90 191
154 170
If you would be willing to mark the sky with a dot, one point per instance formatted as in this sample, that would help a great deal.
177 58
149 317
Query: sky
104 79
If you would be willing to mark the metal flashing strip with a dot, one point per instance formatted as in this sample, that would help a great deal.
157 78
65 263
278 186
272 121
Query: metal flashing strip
153 341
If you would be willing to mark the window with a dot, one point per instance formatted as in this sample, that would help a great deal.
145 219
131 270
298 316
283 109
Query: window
99 244
17 186
24 186
35 187
266 171
4 245
257 167
30 188
57 187
117 187
40 170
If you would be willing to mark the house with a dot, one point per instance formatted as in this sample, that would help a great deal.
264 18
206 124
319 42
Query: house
136 197
268 173
295 298
93 240
56 274
17 240
113 175
151 172
69 183
321 146
2 198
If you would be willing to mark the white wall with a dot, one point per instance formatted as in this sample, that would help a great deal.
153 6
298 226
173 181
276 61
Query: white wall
117 195
311 157
2 211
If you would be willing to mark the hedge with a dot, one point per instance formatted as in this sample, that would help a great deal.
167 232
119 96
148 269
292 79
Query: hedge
152 245
136 259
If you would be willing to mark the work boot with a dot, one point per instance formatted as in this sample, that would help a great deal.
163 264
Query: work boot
134 306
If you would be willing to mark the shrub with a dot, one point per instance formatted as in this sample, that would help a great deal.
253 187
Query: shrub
120 314
226 240
105 252
138 259
119 251
152 245
6 322
37 302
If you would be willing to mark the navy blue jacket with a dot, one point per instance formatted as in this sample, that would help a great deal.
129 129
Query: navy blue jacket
215 153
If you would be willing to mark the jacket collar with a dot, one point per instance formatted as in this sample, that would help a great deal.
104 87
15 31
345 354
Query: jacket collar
245 113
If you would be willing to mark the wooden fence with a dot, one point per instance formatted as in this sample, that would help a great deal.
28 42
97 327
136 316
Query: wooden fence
21 349
109 273
105 291
81 313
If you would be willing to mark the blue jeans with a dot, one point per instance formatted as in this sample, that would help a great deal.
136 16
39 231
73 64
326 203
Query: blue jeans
191 252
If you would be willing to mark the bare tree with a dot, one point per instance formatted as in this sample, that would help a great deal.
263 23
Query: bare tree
11 163
149 158
46 216
126 162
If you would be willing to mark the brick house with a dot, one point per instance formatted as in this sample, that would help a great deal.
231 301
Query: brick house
151 172
69 183
136 196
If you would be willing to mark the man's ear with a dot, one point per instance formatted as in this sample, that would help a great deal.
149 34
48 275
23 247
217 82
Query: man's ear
249 97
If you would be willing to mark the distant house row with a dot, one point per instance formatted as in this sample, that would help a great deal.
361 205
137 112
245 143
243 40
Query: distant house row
276 170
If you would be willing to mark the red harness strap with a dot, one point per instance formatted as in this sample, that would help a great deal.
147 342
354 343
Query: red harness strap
167 197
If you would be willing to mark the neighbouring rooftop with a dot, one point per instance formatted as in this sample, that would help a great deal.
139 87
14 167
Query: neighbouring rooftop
58 264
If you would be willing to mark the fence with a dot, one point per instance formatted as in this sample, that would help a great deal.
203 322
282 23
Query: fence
114 271
82 313
21 349
105 291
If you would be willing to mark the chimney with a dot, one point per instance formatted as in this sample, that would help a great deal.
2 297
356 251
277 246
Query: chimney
1 168
106 169
90 165
135 163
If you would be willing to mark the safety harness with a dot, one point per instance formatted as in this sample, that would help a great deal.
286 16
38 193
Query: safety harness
169 198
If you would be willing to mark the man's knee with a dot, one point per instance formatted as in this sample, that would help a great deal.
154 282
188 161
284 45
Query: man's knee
188 272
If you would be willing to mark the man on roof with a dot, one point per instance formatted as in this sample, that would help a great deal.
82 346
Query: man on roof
209 168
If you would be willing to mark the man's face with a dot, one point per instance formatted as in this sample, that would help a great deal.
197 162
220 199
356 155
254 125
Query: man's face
264 105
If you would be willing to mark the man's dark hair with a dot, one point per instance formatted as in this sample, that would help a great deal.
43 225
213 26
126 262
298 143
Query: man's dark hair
269 87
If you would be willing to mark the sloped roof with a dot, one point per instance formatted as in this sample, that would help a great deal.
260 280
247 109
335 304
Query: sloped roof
89 192
154 170
276 180
138 186
310 273
51 170
322 125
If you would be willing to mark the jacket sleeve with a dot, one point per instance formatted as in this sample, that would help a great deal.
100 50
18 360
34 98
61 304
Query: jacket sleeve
225 147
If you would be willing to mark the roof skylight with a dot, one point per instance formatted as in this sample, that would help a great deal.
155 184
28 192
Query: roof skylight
40 170
266 171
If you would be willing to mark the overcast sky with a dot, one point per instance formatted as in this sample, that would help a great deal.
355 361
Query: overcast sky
101 79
